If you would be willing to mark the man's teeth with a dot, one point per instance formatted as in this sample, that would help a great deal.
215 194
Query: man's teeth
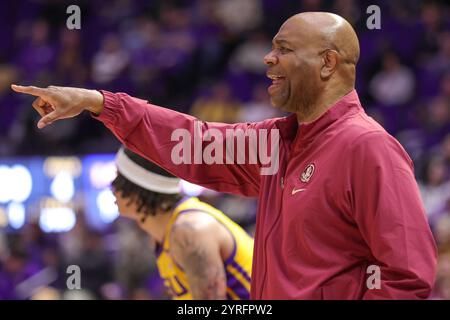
275 77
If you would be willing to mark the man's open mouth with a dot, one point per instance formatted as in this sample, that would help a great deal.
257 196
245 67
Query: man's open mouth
277 81
276 78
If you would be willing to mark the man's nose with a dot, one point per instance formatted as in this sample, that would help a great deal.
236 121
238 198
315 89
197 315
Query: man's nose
270 58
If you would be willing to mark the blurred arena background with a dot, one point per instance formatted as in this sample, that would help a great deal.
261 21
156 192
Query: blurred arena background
198 56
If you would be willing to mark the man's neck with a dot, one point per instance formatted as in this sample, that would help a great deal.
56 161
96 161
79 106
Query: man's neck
156 225
323 104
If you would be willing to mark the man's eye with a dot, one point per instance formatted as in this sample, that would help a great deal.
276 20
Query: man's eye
284 50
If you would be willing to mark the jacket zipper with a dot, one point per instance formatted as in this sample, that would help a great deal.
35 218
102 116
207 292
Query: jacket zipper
263 283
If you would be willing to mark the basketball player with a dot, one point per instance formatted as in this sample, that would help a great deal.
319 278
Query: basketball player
201 253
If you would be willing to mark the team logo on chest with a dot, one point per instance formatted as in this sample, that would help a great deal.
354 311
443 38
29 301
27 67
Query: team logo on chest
307 173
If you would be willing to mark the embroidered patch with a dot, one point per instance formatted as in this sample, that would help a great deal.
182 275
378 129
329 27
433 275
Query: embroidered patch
307 173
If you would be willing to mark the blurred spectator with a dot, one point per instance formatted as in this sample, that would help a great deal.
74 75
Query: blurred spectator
259 107
437 120
16 268
141 294
442 290
112 291
117 10
37 57
142 38
46 293
394 84
348 9
71 68
440 63
431 24
219 106
445 87
95 263
442 232
8 75
71 243
248 57
81 294
239 16
135 260
177 40
110 61
446 150
435 186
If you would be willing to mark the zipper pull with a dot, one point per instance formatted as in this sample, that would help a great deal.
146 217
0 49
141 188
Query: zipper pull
282 182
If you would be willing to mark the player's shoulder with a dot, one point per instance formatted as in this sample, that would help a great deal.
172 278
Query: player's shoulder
193 224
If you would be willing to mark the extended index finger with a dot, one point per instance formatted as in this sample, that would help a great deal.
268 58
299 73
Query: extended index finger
35 91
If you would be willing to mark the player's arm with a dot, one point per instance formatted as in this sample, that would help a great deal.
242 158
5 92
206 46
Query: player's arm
195 246
173 140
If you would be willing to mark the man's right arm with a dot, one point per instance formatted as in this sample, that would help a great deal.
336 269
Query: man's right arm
157 133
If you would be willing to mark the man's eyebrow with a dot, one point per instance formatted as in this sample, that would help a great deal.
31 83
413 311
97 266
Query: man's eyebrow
280 41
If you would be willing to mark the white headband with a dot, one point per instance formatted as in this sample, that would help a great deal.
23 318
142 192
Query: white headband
144 178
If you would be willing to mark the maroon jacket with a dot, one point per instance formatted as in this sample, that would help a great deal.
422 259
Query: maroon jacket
344 198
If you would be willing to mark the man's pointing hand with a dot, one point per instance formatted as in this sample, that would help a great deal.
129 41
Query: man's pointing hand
54 103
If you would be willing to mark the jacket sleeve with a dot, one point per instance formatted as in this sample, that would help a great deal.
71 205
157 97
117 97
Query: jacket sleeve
161 135
391 218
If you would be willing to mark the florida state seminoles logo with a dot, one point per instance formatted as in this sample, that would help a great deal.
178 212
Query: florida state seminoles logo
307 173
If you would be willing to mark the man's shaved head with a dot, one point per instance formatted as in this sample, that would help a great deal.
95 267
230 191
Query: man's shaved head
313 59
330 31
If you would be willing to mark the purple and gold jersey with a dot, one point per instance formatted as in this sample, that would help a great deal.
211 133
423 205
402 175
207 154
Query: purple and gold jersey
237 266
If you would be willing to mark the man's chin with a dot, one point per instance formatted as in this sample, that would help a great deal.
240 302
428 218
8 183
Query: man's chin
280 105
276 103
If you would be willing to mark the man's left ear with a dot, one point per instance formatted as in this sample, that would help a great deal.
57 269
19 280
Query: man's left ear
330 62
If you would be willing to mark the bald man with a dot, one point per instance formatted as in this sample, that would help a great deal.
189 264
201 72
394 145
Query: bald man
341 218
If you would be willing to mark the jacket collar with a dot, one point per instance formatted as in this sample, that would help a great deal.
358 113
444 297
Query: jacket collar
288 126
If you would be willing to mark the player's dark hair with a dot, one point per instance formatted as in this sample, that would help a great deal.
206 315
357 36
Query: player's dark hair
147 201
